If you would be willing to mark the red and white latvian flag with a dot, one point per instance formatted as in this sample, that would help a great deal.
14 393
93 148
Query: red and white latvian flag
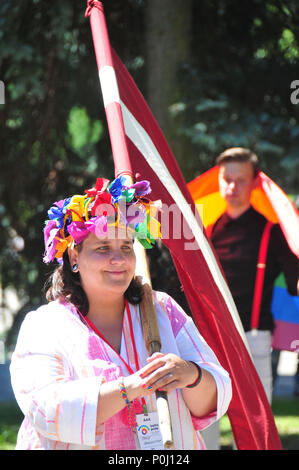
135 134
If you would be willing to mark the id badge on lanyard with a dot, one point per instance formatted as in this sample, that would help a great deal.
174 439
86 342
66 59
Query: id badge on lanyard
148 431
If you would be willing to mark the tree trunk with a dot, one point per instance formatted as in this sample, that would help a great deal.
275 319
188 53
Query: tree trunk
168 26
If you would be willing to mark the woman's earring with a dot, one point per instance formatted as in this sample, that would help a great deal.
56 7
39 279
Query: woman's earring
75 268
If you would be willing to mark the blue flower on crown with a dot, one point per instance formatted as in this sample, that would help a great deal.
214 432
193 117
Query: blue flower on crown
58 211
115 188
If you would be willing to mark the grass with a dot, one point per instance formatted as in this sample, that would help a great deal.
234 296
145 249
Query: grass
10 420
286 415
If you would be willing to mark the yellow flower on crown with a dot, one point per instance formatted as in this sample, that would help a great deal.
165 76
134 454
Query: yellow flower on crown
77 207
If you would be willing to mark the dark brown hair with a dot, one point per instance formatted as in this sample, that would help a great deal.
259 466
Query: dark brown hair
239 154
64 284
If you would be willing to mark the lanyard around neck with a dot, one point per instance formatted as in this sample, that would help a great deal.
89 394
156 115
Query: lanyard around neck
89 322
131 334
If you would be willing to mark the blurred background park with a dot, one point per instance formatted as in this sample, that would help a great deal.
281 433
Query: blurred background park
215 74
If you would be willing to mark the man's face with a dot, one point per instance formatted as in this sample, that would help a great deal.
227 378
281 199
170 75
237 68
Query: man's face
236 181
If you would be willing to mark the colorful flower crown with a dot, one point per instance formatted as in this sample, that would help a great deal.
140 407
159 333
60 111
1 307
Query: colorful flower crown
72 219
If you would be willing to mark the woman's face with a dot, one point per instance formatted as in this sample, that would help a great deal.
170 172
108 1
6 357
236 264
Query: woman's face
106 265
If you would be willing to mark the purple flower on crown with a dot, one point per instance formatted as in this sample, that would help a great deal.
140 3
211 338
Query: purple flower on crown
142 188
51 231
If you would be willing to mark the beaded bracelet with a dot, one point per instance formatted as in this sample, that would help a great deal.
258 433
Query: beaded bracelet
123 391
198 379
131 411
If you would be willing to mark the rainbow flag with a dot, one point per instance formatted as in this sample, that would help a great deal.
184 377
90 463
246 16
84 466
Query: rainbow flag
285 309
268 198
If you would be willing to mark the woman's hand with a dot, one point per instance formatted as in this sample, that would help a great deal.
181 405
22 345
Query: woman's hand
167 372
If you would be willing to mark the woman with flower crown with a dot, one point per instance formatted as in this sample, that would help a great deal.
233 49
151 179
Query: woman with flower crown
80 370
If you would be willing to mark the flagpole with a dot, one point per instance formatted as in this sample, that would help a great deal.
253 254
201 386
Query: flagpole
123 167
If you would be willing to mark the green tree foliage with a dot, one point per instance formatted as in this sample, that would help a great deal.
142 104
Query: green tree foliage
238 91
232 89
52 133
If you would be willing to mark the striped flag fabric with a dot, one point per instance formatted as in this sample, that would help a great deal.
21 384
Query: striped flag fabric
209 298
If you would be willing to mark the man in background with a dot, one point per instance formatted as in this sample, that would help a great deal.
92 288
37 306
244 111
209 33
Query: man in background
236 237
